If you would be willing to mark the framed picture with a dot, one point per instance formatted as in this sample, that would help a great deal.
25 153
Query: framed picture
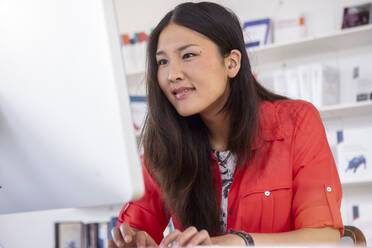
357 15
256 32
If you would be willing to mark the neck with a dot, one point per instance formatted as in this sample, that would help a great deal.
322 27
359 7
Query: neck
219 127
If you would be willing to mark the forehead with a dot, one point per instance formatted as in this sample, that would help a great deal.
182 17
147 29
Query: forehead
174 36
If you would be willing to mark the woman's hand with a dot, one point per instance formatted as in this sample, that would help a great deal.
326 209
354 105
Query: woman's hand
190 237
127 236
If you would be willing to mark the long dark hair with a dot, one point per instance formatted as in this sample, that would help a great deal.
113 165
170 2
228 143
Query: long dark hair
177 149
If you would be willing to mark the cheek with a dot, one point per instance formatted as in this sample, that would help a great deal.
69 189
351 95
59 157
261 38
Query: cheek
201 68
211 77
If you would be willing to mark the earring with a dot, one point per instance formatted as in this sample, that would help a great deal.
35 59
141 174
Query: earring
230 66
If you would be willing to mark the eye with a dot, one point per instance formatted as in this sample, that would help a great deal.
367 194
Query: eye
162 61
188 55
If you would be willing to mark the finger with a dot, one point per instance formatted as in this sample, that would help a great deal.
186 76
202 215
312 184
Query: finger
111 244
170 238
141 239
150 242
201 238
186 236
118 238
127 232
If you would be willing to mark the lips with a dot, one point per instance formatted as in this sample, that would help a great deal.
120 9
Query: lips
181 92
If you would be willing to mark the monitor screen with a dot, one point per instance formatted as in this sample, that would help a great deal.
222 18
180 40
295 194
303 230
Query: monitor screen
66 133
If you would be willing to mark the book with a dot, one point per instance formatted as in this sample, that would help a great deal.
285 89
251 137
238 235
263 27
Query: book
305 87
292 79
362 83
69 234
325 85
92 235
280 83
103 235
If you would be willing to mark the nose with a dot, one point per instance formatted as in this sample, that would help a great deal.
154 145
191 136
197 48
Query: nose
175 72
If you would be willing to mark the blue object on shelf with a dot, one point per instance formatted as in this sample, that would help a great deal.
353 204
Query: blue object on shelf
340 136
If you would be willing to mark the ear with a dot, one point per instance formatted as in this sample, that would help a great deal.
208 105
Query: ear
233 62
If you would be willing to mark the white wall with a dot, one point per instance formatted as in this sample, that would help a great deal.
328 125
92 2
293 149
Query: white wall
323 16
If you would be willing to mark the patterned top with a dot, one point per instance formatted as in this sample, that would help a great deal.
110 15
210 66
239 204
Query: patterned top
227 164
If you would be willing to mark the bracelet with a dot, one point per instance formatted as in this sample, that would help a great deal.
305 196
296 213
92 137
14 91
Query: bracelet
245 236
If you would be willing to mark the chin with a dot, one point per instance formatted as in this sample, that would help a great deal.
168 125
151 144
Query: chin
186 112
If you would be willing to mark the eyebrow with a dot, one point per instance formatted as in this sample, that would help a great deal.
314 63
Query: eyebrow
178 49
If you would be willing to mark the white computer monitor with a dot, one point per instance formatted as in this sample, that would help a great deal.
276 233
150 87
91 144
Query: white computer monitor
66 133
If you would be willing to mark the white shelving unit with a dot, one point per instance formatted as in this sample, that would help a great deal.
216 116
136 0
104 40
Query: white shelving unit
345 49
339 40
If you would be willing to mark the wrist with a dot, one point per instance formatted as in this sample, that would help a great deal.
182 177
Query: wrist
228 240
248 239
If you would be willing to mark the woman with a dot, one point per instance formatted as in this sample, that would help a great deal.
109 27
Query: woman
229 161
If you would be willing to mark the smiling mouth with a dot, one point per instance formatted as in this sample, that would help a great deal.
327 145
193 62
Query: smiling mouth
182 92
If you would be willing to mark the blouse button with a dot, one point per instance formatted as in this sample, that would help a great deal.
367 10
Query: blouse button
329 189
267 193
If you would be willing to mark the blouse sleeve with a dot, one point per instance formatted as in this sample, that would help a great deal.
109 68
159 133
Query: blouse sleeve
148 213
316 186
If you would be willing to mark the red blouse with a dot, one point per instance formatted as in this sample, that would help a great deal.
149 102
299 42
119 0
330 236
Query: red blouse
297 187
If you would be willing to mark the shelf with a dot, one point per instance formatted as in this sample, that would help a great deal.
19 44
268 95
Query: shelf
346 110
339 40
356 183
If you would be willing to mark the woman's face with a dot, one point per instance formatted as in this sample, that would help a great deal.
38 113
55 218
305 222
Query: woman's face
191 71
